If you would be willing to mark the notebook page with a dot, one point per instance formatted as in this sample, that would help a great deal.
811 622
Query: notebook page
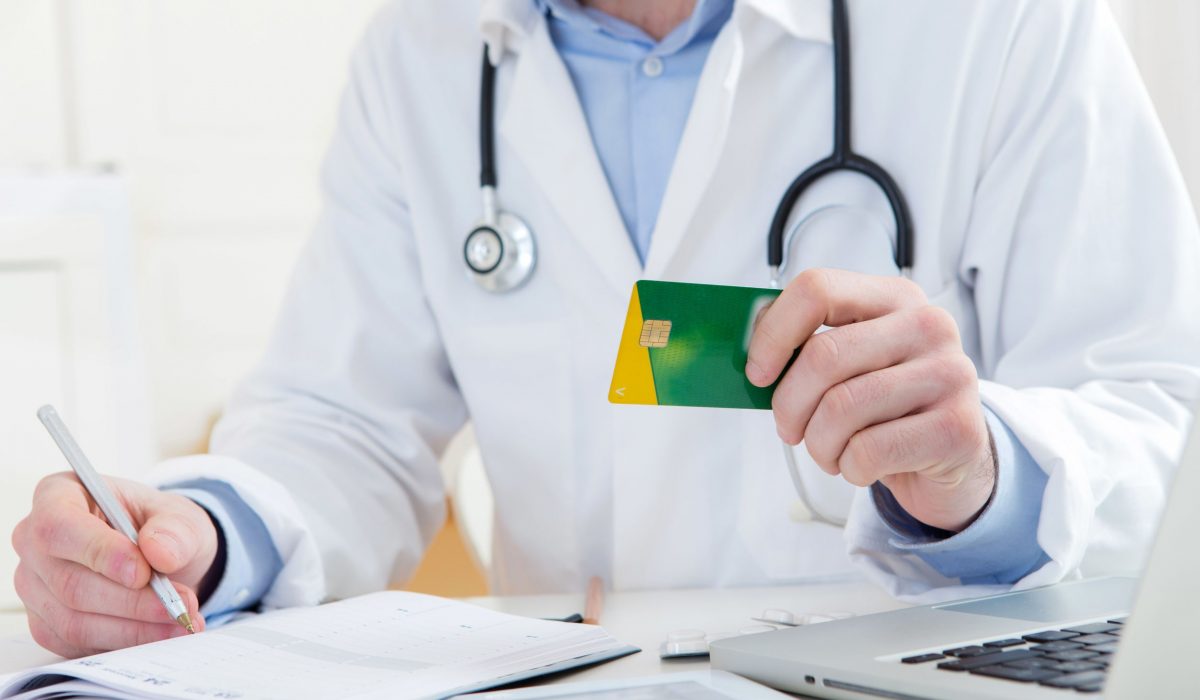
391 644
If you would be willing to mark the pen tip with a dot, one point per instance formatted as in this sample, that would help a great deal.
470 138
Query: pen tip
191 629
186 621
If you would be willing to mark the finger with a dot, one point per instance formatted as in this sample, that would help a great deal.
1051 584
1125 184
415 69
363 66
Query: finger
816 298
82 589
47 639
947 435
92 632
830 358
62 526
878 397
25 584
174 533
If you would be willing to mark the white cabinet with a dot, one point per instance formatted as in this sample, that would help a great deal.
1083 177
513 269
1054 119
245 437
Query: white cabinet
215 114
218 112
68 336
32 125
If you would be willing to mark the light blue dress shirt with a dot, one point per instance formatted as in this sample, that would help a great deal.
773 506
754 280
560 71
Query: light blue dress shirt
251 560
636 94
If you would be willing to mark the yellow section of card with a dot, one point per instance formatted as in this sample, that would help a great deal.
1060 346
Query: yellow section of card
633 379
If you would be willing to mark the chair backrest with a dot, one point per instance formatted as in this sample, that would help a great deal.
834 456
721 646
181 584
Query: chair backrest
68 335
470 496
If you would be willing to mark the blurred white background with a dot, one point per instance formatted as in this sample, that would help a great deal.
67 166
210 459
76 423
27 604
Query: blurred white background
158 174
158 163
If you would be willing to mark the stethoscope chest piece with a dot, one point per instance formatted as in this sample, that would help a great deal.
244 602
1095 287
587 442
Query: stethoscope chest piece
500 255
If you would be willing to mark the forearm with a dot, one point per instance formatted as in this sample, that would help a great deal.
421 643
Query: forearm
1110 448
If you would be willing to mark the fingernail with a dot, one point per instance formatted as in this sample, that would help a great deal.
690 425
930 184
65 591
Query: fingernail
169 542
755 374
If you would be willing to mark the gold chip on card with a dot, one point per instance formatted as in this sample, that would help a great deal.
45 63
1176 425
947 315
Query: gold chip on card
655 334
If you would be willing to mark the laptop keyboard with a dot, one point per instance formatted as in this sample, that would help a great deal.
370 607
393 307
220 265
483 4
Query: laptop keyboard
1074 658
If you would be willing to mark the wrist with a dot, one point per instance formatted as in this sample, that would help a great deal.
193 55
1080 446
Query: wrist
948 499
1000 545
216 570
984 480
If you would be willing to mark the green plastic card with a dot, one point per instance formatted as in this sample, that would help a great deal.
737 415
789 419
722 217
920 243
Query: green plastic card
685 345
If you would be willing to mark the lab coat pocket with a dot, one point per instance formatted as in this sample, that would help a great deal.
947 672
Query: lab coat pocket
780 547
516 380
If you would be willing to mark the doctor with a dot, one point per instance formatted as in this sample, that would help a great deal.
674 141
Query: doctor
1008 417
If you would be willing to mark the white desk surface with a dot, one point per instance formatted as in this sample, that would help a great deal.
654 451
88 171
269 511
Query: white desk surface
640 618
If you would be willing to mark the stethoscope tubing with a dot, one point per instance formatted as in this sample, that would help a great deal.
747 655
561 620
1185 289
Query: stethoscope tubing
903 251
487 123
843 158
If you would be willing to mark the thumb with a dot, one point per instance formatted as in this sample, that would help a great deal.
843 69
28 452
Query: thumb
176 534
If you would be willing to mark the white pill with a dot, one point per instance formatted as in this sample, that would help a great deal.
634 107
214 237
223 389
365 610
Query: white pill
783 617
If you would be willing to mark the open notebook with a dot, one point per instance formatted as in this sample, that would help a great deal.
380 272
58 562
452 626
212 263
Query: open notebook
382 645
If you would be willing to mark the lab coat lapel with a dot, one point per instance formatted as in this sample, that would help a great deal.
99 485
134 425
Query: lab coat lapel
699 148
708 124
544 126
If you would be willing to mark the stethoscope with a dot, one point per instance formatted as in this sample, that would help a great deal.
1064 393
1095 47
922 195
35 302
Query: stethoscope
500 251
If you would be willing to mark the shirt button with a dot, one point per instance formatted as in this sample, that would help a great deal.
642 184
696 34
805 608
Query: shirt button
652 67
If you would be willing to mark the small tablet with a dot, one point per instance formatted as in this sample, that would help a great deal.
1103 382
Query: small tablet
692 685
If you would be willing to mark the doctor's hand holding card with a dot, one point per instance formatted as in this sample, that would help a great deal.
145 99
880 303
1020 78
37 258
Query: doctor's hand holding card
886 394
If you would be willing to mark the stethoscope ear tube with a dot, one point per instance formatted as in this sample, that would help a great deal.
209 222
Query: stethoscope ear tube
842 158
776 238
895 197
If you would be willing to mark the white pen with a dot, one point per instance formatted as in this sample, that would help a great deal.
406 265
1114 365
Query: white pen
111 507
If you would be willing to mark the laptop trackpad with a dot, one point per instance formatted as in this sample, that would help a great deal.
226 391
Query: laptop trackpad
1072 601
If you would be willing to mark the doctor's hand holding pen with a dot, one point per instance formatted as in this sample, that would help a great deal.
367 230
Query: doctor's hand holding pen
886 394
84 584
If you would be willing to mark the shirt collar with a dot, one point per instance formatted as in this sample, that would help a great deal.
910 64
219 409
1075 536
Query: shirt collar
504 23
803 19
706 19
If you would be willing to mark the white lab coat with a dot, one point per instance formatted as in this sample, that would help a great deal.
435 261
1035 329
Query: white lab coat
1050 220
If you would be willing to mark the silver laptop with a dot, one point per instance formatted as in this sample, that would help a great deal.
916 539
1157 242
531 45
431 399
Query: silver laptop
1063 641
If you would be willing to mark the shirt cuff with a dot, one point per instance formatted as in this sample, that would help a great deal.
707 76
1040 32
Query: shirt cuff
251 560
1000 546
